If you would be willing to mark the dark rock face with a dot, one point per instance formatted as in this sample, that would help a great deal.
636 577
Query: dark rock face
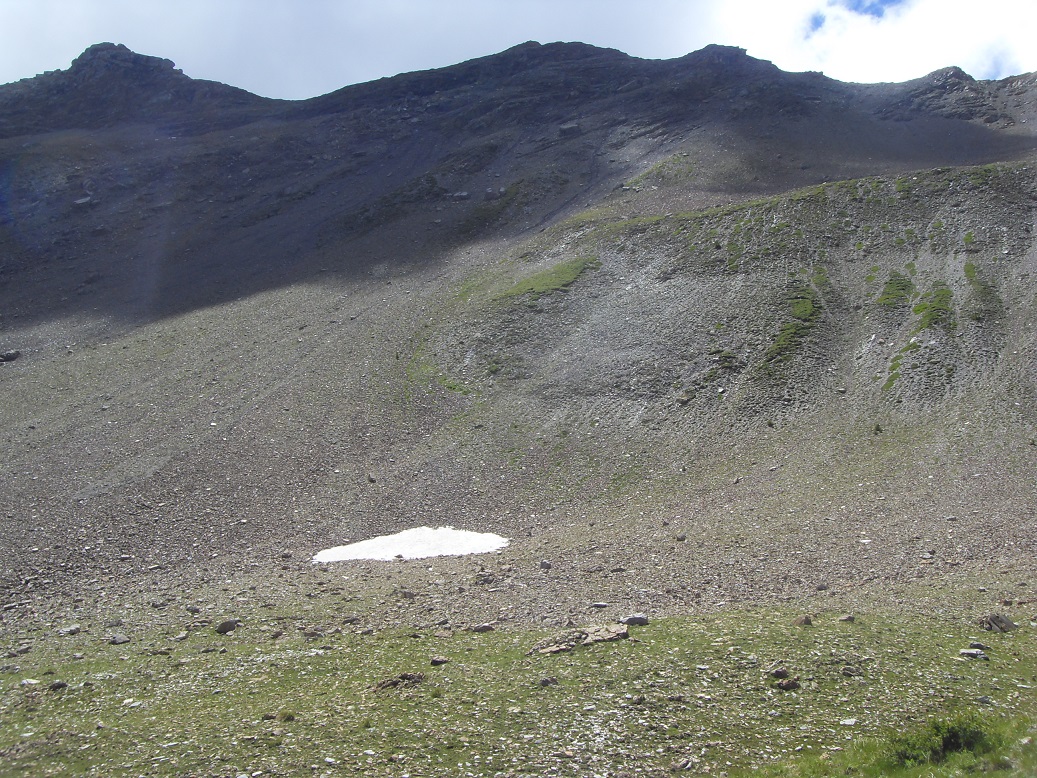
951 93
107 85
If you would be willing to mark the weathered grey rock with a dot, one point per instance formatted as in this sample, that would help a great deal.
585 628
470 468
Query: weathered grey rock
997 622
605 634
974 653
635 620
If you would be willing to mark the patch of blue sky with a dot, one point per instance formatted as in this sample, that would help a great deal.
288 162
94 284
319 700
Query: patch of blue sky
876 8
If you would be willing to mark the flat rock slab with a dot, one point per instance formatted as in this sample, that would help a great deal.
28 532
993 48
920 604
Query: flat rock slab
581 637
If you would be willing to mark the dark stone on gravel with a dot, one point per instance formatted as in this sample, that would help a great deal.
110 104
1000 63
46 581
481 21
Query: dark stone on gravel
227 626
635 620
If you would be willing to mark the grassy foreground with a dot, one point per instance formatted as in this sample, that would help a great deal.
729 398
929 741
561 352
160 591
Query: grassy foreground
695 694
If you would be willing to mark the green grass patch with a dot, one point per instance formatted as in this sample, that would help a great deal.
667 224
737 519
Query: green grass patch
940 738
693 691
676 169
554 279
897 291
804 306
895 364
935 308
984 302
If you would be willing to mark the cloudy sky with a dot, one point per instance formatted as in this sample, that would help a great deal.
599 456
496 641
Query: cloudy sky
302 48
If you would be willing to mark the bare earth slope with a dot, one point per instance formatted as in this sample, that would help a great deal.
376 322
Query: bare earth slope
696 331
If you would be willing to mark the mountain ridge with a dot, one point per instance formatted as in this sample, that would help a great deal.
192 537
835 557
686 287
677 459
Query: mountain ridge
543 292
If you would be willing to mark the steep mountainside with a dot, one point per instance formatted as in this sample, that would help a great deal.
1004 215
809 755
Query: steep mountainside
697 330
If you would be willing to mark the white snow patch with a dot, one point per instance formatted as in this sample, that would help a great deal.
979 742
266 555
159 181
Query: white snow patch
417 543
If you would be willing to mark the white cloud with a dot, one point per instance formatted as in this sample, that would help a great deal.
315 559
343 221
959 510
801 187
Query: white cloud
288 48
911 39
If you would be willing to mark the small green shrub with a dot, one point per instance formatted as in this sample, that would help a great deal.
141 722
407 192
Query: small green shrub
939 738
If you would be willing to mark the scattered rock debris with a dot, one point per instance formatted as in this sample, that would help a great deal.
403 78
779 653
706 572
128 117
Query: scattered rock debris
403 680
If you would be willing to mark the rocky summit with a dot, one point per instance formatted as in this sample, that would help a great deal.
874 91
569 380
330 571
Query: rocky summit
692 334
